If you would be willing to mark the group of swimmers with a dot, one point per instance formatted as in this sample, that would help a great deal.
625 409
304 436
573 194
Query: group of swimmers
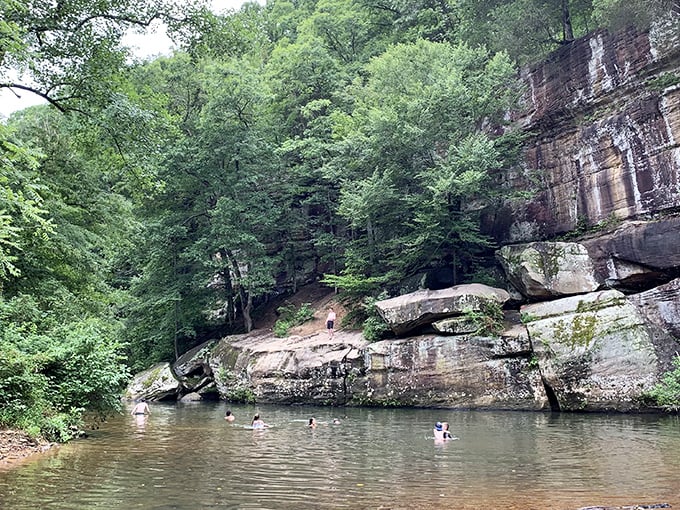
257 422
441 429
313 423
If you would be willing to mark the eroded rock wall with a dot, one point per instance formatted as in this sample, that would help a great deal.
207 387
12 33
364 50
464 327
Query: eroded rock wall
603 115
455 372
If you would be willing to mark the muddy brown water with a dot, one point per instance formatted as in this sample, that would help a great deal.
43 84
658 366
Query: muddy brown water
186 456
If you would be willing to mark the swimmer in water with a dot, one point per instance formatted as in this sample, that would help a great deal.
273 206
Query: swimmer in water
141 408
258 423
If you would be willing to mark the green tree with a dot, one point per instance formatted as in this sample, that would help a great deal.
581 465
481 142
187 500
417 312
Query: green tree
70 53
411 20
417 155
58 307
617 14
21 211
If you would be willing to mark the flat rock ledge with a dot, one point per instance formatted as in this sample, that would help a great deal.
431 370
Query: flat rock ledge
16 446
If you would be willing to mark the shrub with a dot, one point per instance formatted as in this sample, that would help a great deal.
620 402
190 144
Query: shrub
666 392
374 326
289 317
489 320
241 396
47 382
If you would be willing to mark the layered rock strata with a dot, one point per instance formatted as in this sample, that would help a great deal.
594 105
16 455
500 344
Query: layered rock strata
603 115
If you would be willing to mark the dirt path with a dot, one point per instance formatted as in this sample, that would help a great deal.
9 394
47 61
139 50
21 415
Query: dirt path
319 298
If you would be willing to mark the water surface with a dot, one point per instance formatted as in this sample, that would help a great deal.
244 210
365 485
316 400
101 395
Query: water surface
186 456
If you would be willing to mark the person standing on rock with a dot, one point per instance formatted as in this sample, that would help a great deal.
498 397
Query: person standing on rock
330 322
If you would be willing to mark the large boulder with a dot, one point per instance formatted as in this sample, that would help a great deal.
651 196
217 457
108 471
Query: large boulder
295 370
636 254
412 311
463 372
661 306
661 309
155 383
193 367
594 351
548 269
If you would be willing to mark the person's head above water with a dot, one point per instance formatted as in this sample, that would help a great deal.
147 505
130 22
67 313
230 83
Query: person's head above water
438 425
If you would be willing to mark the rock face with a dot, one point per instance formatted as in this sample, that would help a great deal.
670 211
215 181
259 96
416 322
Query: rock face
542 270
458 372
595 351
606 113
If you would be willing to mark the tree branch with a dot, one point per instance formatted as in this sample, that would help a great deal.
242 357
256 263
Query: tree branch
39 93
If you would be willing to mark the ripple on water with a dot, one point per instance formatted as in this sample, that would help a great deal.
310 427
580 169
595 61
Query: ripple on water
187 457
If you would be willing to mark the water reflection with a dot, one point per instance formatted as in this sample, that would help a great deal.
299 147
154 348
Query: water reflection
140 422
187 457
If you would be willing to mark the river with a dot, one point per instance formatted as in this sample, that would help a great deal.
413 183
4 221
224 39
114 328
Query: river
186 456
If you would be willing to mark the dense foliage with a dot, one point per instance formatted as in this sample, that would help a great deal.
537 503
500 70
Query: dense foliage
666 393
152 205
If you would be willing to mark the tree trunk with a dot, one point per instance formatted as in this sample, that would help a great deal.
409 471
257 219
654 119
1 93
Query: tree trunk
228 289
176 307
567 30
245 297
247 309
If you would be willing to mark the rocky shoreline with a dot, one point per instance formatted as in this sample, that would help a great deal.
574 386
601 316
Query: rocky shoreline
16 446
